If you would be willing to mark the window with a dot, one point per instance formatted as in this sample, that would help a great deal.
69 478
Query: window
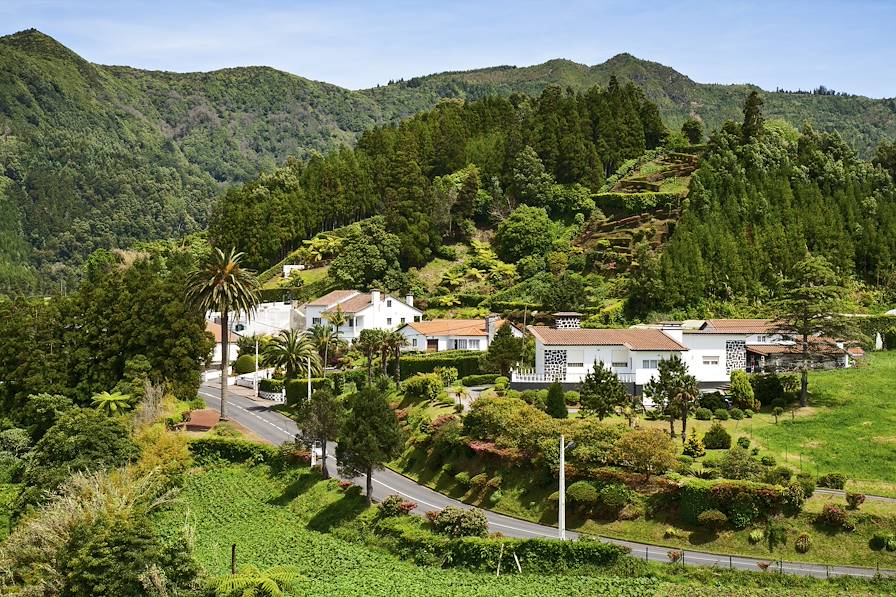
239 327
711 360
620 359
473 344
416 318
650 363
575 358
460 344
763 339
388 321
351 322
315 321
414 342
401 320
388 304
620 364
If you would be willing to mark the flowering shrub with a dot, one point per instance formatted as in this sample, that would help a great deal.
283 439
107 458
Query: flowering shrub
458 522
343 485
835 517
394 505
854 500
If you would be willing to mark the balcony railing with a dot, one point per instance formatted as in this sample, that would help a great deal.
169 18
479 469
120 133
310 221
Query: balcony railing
531 376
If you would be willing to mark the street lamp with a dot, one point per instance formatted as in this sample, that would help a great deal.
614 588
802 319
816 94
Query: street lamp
561 522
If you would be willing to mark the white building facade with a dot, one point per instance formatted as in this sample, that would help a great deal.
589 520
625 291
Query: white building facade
437 335
362 310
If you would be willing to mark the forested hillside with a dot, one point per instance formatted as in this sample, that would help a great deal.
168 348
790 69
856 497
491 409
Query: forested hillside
100 157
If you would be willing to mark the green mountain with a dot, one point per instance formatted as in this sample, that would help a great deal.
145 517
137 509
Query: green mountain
103 156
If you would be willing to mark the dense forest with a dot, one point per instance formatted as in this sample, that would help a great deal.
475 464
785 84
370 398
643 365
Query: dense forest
101 157
765 195
549 152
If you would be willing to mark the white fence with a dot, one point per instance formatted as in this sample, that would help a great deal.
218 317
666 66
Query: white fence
531 376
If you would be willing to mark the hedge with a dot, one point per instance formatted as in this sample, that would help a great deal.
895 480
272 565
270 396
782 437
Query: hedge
213 448
636 202
539 556
297 389
465 361
270 385
244 364
741 501
479 380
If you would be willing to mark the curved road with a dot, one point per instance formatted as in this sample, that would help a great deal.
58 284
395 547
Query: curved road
277 428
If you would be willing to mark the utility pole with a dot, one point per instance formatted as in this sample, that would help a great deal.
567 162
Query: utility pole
255 384
309 377
561 521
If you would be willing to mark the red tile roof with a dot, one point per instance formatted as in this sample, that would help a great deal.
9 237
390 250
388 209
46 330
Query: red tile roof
215 330
633 339
453 327
332 297
739 326
359 302
823 345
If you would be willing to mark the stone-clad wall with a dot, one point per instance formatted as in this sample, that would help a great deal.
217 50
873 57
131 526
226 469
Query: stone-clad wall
735 355
555 364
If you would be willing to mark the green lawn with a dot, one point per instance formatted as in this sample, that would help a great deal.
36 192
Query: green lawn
307 276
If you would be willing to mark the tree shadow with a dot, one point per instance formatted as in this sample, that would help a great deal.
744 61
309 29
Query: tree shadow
343 510
702 536
297 487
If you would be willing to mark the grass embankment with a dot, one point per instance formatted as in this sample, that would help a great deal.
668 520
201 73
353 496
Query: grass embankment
299 520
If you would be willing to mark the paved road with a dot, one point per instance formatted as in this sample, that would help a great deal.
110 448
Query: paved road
277 428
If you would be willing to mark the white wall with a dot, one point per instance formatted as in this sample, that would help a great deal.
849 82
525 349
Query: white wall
580 360
232 348
386 313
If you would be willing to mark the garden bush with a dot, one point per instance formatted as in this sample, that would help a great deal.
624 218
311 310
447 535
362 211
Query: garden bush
832 481
571 398
448 375
693 447
479 481
854 500
703 414
423 387
393 506
738 464
297 389
880 539
462 478
756 536
743 441
495 497
712 401
210 448
712 519
716 438
767 460
721 414
741 501
833 516
803 543
244 364
494 482
479 380
465 361
338 380
270 385
775 533
807 482
458 522
748 414
778 475
501 383
736 414
582 494
615 497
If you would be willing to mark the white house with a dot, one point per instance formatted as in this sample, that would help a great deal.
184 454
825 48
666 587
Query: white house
268 319
712 349
363 310
436 335
232 349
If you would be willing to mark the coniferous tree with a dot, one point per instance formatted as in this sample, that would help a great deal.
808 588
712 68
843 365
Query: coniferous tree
753 124
555 405
504 351
602 393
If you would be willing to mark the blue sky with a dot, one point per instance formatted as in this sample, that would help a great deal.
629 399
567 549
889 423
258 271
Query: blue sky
843 45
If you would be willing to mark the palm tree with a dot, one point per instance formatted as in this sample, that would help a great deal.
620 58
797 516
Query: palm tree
337 319
251 581
221 284
324 336
112 404
370 342
291 350
393 342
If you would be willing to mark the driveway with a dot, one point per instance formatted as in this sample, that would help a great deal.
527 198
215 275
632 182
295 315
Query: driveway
277 428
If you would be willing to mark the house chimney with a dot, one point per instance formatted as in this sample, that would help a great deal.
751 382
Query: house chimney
674 331
491 322
409 299
567 320
374 297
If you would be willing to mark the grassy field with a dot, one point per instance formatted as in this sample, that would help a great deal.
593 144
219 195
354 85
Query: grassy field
307 276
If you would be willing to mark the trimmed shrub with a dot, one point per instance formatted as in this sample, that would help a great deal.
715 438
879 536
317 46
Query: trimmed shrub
297 389
479 380
457 522
854 500
211 449
501 383
495 497
571 398
748 414
494 482
767 460
711 402
721 414
465 361
703 414
778 475
775 534
582 494
270 385
693 447
736 414
756 536
423 387
448 375
244 364
754 451
712 519
802 543
716 438
479 481
338 383
743 441
463 478
741 501
832 481
615 497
